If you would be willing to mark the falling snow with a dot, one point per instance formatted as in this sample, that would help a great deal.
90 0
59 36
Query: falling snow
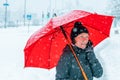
12 57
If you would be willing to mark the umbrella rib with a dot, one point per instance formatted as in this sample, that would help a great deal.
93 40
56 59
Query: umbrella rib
96 29
50 48
30 56
43 37
49 53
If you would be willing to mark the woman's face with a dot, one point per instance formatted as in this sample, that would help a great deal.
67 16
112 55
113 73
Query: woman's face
81 40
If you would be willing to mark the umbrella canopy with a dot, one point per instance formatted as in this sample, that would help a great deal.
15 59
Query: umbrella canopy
44 47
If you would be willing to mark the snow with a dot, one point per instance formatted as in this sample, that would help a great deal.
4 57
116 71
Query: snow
12 43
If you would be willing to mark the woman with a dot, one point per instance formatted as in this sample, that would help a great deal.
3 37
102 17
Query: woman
67 68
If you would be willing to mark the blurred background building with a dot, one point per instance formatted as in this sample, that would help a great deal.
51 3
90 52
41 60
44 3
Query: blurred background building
15 13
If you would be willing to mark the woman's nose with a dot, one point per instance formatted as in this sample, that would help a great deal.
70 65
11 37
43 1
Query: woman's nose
84 38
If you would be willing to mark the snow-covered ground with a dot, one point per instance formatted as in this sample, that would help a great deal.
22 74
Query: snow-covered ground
12 43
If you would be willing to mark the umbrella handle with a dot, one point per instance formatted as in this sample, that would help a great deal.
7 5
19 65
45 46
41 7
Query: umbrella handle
73 52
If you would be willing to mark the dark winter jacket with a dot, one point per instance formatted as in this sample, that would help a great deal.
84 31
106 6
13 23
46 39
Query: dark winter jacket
67 68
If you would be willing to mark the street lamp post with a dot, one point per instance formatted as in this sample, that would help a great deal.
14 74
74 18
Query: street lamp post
24 12
29 17
6 5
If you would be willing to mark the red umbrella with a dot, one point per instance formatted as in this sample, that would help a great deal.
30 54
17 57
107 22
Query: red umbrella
45 46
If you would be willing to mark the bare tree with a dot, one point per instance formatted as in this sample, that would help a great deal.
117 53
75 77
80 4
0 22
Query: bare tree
114 7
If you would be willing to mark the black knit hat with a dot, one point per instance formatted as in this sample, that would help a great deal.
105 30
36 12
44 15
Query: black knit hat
77 29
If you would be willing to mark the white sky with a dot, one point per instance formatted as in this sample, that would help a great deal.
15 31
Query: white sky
40 5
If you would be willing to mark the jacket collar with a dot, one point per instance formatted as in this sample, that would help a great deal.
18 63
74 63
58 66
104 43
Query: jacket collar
78 50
